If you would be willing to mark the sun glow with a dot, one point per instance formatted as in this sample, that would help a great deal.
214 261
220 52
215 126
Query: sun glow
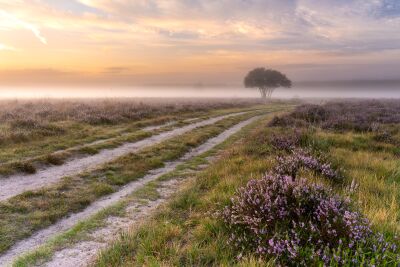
147 42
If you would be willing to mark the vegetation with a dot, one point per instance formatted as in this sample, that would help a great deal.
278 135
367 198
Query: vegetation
352 220
24 214
34 134
358 116
301 224
266 80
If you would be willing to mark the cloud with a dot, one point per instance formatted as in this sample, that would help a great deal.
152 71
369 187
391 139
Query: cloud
6 47
154 36
262 24
9 21
116 70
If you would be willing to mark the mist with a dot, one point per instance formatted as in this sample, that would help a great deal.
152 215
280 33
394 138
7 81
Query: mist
323 91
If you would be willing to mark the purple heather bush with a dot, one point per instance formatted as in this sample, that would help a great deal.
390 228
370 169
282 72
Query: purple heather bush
299 158
301 224
358 116
288 141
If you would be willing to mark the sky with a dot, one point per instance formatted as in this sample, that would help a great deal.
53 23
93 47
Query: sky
200 42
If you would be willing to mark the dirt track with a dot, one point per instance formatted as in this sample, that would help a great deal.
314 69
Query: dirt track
17 184
44 235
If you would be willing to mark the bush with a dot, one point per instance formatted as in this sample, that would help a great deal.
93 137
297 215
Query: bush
300 224
290 165
287 141
359 116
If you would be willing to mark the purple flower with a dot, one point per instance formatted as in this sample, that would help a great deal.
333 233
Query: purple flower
279 217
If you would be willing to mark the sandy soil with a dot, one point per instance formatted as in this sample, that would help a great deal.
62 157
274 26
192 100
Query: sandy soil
82 253
17 184
99 141
42 236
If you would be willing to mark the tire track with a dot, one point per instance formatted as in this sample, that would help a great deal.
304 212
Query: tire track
42 236
17 184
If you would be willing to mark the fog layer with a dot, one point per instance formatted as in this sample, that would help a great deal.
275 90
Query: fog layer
217 92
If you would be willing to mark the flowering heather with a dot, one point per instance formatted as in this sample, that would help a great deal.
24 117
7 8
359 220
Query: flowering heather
25 120
301 224
106 111
358 116
289 165
286 142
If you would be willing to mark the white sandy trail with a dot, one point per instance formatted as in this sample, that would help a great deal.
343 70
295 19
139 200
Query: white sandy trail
85 252
42 236
17 184
99 141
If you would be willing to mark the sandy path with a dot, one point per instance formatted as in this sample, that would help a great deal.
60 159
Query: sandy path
82 253
17 184
42 236
101 141
97 142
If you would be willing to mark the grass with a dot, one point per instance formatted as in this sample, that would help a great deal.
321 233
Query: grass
78 233
185 232
147 192
54 150
24 214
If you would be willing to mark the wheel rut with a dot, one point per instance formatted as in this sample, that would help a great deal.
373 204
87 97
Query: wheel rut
42 236
17 184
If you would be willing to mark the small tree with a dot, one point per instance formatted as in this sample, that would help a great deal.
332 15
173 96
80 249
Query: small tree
266 80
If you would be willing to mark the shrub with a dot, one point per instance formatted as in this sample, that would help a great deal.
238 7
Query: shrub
286 142
299 224
360 116
290 165
311 113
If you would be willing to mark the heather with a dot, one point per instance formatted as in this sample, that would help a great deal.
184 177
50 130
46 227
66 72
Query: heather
294 154
300 158
301 224
25 120
287 140
39 133
361 208
28 113
359 116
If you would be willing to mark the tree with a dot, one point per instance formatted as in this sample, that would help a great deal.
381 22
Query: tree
266 80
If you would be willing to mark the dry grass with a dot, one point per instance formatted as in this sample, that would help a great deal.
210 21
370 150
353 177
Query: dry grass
30 113
31 131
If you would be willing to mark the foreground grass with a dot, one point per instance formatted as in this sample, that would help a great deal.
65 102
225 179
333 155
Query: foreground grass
82 230
31 211
374 168
186 233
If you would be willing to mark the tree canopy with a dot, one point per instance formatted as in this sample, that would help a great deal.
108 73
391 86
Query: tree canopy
266 80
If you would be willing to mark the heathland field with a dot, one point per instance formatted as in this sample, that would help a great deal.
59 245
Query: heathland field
199 183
